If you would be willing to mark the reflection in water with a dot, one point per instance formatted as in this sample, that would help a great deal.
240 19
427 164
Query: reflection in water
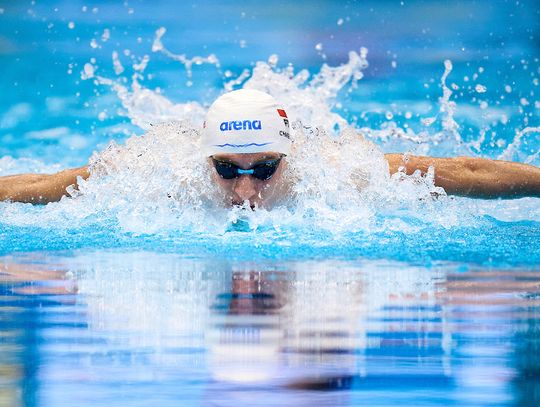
527 355
24 290
246 329
118 328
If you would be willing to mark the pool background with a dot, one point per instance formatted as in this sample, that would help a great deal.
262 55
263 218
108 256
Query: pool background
494 44
407 311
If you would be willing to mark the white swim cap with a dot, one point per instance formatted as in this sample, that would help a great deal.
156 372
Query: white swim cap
246 121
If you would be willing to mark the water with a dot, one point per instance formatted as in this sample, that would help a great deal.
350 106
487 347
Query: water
141 327
338 296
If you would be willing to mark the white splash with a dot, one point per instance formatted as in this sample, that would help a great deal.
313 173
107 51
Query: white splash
512 150
159 183
188 63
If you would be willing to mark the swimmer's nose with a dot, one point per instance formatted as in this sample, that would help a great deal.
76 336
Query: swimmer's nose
244 187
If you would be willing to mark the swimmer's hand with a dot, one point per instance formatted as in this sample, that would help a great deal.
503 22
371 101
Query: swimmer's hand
40 188
473 177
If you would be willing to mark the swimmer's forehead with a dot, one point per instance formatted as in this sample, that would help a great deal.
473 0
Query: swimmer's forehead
247 157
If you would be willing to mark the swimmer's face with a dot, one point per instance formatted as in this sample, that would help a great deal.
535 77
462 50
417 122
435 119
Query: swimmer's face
246 187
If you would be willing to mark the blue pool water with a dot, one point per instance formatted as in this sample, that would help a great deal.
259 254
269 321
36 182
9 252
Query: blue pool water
382 296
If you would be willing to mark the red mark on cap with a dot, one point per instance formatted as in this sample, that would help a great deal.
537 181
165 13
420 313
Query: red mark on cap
282 113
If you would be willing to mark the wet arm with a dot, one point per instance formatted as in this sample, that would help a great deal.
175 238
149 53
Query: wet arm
473 177
40 188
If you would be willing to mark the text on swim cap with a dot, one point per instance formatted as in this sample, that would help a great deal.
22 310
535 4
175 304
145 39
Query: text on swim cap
241 125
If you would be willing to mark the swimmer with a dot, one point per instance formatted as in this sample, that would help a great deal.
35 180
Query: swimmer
246 139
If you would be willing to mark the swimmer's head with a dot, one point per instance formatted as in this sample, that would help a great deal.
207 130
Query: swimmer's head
246 121
246 138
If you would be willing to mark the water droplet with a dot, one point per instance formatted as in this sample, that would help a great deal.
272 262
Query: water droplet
93 43
508 89
157 45
448 64
88 71
273 60
340 21
242 43
71 25
319 47
117 65
106 35
480 88
363 52
428 121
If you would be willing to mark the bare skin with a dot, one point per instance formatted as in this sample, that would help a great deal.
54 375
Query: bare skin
247 188
464 176
40 188
473 177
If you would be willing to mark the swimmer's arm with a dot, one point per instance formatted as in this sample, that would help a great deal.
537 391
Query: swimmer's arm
473 177
40 188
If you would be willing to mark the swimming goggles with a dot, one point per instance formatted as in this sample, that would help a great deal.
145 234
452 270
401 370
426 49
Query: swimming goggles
263 170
